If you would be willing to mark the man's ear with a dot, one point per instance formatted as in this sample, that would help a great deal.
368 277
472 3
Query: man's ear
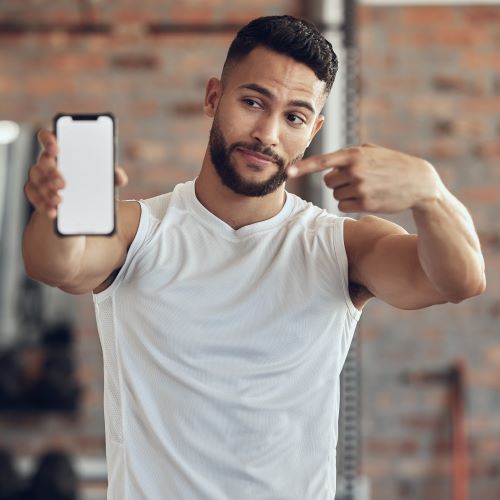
212 96
317 126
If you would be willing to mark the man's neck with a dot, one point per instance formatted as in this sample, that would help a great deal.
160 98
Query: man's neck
234 209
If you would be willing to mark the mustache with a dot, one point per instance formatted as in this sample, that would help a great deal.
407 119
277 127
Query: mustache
258 148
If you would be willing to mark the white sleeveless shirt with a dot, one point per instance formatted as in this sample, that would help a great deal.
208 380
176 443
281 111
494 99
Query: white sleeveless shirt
222 353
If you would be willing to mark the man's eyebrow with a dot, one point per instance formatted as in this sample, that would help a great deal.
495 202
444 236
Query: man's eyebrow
267 93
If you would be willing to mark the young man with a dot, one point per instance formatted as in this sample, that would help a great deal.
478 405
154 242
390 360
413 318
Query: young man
226 308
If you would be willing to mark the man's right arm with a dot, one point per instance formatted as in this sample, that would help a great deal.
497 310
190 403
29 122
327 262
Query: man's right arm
76 264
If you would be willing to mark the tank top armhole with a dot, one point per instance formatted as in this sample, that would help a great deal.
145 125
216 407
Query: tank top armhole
342 264
137 243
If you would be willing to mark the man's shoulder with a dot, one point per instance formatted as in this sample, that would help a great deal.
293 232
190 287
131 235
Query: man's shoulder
158 205
129 216
310 214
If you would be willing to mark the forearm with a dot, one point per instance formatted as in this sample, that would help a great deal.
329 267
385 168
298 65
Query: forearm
448 246
48 257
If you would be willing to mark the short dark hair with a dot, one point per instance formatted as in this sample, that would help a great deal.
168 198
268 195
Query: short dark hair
296 38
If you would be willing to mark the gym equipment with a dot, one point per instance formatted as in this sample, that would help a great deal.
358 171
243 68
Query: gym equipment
54 479
454 377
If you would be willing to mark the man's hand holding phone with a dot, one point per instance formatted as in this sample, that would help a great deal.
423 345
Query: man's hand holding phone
45 179
76 264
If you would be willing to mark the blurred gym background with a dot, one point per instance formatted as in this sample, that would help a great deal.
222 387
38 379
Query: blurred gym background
421 389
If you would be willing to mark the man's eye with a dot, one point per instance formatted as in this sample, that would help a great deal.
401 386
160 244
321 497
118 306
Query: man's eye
251 103
295 119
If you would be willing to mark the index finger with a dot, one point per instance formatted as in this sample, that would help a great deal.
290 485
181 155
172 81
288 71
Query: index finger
316 163
48 141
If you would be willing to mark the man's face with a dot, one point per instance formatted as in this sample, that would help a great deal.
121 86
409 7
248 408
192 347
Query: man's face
265 115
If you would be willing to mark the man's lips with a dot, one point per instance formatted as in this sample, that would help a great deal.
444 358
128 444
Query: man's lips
258 158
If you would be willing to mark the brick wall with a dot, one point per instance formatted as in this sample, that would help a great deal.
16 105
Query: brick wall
152 77
430 87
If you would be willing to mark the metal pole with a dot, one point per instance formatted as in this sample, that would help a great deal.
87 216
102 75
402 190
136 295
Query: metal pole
337 21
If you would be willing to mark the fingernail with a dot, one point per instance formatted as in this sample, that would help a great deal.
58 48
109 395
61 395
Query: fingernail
292 171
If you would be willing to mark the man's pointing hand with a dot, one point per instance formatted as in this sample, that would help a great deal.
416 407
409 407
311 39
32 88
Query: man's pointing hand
370 178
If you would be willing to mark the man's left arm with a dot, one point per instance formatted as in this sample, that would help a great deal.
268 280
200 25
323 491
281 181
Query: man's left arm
442 263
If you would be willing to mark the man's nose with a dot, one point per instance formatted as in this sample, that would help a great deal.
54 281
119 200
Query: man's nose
266 130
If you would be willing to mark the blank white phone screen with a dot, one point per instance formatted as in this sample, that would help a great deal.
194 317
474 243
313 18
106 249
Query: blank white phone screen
86 161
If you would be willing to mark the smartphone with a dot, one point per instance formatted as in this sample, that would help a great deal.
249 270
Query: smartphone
86 159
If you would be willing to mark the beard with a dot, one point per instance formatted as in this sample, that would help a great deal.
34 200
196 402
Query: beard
220 154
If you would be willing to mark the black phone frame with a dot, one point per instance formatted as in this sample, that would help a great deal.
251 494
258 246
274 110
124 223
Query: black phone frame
89 117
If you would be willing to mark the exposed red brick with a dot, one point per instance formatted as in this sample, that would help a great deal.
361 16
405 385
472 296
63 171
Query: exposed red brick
489 149
146 150
444 148
163 177
144 108
484 194
459 36
200 15
477 59
71 63
8 85
484 377
423 422
482 468
188 108
489 239
495 311
483 15
391 447
135 61
43 86
428 16
449 83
